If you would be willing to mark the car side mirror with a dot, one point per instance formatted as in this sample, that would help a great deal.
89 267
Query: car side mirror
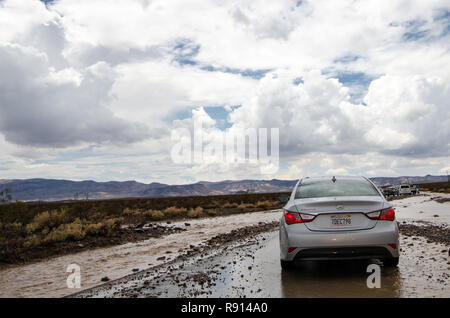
284 199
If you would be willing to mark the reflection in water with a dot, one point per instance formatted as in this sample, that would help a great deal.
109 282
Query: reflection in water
337 279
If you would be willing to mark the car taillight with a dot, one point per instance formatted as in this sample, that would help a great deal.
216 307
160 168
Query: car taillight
373 215
386 214
295 217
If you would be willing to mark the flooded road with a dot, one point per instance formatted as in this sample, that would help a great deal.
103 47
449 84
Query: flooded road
244 264
252 269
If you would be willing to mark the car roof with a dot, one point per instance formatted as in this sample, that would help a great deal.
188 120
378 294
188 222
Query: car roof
325 178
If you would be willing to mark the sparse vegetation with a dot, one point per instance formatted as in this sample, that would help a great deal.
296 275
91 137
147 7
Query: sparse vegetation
174 211
228 205
156 215
195 213
30 231
443 187
243 206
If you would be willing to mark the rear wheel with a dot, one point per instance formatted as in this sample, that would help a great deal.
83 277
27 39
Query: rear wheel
287 265
390 262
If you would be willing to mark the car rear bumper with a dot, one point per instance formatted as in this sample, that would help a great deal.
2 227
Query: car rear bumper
358 244
357 252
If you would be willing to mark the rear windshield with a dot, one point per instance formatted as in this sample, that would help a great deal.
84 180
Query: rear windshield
405 187
328 188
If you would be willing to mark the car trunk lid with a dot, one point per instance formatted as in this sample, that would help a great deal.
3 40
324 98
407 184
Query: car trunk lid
340 213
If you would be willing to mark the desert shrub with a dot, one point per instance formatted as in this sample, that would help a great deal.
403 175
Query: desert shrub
195 213
13 227
244 206
12 230
148 213
128 211
32 240
107 227
70 231
229 205
111 225
212 212
266 204
47 219
174 211
155 214
94 228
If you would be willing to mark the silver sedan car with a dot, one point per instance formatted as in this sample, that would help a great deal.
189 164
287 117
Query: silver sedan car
338 218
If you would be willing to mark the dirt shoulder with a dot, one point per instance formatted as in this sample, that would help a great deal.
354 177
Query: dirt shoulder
32 232
21 255
432 233
47 278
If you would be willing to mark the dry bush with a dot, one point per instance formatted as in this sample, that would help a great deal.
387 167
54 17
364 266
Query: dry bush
230 205
174 211
195 213
212 212
31 241
94 228
148 213
128 211
107 227
244 206
156 214
111 225
47 219
71 231
13 227
266 204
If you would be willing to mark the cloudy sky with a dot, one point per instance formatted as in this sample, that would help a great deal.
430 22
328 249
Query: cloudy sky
93 89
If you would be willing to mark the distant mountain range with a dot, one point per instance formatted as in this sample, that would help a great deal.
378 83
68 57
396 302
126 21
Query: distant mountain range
58 190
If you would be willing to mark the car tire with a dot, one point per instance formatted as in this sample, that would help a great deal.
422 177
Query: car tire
391 262
286 265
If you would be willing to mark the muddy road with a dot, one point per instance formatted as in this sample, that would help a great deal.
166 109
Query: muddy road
250 268
238 256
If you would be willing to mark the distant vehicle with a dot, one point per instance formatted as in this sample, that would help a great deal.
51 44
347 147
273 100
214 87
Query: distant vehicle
405 189
390 191
415 189
338 218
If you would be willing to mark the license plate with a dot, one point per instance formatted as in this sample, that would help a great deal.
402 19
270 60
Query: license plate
341 220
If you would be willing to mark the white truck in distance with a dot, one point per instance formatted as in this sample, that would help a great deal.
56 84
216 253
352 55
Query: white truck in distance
404 189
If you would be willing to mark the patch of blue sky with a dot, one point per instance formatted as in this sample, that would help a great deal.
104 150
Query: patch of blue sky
414 30
357 82
255 74
220 115
347 59
185 51
216 112
443 17
416 35
297 81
